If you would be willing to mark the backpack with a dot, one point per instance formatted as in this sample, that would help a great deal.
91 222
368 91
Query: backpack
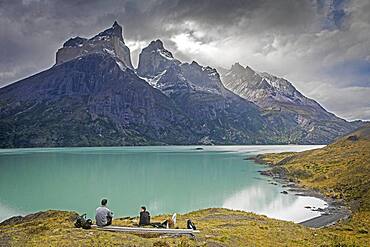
82 222
190 225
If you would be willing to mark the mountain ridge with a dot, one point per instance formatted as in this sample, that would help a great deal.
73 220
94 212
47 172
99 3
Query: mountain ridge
93 96
277 95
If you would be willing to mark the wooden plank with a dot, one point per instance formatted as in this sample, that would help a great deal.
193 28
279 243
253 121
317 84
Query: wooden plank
146 230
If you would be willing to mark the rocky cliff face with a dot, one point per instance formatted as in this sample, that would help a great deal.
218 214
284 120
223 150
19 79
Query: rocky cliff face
89 101
95 98
154 59
160 69
266 90
109 41
92 96
302 118
222 116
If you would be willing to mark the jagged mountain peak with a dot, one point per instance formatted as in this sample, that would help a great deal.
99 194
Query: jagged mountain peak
239 69
92 91
154 59
262 88
109 41
282 102
198 66
156 44
160 69
73 42
270 92
194 65
115 30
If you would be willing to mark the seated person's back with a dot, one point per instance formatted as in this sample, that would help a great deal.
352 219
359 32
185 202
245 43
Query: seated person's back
144 217
103 215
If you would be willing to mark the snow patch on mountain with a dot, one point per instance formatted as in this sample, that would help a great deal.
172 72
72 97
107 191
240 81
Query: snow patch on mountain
121 65
109 41
263 88
168 74
153 81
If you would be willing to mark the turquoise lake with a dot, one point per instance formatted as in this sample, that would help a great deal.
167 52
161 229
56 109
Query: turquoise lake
167 179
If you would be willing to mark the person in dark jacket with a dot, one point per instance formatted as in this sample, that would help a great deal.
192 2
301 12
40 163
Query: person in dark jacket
144 217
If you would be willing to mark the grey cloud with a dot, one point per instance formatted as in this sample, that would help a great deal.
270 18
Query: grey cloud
286 37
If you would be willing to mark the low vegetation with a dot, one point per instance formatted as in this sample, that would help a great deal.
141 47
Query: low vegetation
219 227
340 170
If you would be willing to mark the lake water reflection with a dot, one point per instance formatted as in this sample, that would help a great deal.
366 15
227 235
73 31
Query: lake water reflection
166 179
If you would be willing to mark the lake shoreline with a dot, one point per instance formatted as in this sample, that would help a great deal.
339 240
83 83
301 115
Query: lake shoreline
335 210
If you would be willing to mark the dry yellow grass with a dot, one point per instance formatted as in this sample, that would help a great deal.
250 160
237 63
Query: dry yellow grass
219 227
340 170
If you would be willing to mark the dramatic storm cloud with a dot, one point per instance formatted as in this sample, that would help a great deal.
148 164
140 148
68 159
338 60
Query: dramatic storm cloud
322 47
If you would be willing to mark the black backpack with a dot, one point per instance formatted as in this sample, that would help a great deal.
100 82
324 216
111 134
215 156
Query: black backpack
190 225
82 222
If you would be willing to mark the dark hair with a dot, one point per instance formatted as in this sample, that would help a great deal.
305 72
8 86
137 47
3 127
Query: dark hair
104 202
143 207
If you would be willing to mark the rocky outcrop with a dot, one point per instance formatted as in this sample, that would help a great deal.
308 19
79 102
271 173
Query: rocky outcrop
109 41
302 119
154 59
222 116
268 91
158 66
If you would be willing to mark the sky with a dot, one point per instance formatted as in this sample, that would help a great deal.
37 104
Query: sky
322 47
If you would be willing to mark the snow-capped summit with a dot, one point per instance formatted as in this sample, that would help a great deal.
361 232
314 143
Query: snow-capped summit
283 104
115 30
160 69
264 89
109 41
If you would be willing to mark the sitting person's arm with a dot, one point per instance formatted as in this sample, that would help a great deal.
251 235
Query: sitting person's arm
110 214
109 217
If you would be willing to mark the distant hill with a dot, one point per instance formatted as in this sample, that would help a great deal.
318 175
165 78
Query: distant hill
93 96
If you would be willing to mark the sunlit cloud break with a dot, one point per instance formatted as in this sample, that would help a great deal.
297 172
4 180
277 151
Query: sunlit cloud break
322 47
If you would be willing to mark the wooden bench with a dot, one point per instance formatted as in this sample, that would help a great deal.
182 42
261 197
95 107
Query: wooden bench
142 230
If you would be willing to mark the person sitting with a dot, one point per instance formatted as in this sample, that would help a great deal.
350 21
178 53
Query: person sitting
103 215
144 217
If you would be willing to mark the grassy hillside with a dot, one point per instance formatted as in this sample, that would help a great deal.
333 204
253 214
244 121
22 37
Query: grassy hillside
219 227
340 170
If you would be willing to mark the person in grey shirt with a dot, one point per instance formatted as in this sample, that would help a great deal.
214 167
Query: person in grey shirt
103 215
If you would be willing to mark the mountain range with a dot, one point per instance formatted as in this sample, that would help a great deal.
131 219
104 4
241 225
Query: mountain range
93 96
